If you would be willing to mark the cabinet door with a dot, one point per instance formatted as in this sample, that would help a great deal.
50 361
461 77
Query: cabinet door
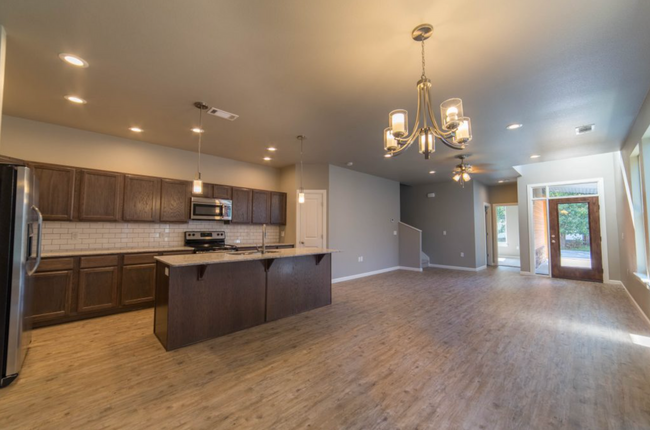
52 293
278 208
141 198
97 289
100 195
222 192
56 191
138 283
175 201
242 199
261 207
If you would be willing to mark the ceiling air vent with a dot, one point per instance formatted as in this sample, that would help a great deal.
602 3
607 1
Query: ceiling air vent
222 114
585 129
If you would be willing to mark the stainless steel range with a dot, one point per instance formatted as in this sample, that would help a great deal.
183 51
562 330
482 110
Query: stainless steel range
208 241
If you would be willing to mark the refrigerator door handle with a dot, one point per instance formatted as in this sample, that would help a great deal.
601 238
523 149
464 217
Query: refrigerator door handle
39 240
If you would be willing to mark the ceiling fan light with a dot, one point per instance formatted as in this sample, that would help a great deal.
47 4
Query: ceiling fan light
466 177
456 177
451 112
390 144
398 122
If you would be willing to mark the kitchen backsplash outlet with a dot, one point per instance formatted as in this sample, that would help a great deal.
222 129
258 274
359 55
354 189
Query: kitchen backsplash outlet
73 236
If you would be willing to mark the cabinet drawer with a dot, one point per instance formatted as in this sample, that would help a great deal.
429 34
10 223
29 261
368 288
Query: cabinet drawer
130 259
53 264
99 261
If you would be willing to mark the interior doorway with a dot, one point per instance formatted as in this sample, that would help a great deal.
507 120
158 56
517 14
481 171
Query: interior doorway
311 216
576 251
506 221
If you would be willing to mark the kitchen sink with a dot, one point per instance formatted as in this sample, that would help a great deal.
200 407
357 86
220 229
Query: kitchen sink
252 252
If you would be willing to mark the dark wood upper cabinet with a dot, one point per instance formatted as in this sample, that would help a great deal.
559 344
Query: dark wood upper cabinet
222 192
100 195
207 191
278 208
261 207
242 200
175 200
141 198
56 191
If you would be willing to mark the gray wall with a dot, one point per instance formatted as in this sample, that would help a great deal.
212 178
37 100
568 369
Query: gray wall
451 210
48 143
503 193
480 239
640 130
582 168
364 211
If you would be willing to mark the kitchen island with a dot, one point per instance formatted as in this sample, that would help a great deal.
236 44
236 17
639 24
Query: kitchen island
203 296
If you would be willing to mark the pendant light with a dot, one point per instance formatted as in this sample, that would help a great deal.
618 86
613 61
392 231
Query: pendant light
301 191
197 187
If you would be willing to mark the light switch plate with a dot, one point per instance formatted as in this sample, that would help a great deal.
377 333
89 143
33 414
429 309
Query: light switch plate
462 254
394 232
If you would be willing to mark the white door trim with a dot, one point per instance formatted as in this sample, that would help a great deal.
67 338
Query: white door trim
495 242
324 194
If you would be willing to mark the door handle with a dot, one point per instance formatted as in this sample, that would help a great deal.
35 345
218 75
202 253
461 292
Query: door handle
39 240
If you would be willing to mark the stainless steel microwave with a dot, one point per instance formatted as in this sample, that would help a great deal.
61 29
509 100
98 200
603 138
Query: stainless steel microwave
211 209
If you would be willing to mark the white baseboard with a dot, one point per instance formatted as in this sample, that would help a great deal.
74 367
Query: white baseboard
466 269
615 282
636 305
413 269
374 272
525 273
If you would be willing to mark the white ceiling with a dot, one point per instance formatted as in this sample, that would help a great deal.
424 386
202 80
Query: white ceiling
333 70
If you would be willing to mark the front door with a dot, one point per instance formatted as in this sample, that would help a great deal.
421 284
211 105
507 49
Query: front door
575 239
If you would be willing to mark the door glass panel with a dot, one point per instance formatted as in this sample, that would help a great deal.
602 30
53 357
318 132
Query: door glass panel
573 190
575 243
540 226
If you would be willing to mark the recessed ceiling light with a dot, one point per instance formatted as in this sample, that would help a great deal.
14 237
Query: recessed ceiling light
197 130
272 148
267 158
501 181
431 172
75 99
388 155
535 156
136 129
74 60
349 163
514 126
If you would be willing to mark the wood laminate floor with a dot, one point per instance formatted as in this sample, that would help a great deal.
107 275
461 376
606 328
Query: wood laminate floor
403 350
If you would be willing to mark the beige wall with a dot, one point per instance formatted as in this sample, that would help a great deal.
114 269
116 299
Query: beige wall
3 56
503 193
47 143
639 133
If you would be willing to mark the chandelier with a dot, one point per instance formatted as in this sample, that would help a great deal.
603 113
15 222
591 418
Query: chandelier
456 130
462 171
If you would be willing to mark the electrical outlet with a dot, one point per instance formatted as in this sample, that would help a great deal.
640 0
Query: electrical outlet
462 254
237 240
444 232
394 232
281 234
361 259
74 235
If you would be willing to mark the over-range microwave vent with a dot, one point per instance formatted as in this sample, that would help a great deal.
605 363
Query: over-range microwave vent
222 114
585 129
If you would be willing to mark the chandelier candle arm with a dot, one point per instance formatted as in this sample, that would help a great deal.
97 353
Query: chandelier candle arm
456 128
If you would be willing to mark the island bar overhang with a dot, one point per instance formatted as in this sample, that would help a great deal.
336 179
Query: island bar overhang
200 298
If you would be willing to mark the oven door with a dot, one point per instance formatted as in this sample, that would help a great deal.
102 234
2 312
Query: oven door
206 209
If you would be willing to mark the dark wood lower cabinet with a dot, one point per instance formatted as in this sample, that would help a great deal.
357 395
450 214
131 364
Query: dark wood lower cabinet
52 293
97 289
138 282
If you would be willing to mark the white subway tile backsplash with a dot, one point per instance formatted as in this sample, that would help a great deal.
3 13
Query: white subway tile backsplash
58 236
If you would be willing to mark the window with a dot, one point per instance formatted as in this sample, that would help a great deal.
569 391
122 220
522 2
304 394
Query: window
638 206
573 190
502 235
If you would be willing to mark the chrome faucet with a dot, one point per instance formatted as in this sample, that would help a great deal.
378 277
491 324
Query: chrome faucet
263 238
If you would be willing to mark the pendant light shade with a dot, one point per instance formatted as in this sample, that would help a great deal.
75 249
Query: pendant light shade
197 185
301 192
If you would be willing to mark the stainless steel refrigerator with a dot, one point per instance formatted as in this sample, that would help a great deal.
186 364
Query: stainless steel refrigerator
21 227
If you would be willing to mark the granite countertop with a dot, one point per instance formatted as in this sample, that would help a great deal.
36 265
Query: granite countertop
105 251
251 245
224 257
